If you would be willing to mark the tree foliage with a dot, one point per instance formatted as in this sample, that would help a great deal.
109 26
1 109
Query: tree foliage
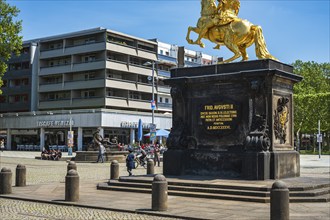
10 41
312 96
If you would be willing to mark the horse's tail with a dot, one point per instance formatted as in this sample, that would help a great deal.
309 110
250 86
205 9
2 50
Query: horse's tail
260 44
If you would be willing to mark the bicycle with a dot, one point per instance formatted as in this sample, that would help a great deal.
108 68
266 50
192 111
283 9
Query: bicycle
137 161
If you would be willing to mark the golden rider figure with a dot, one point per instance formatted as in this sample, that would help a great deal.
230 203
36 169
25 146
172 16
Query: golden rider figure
216 15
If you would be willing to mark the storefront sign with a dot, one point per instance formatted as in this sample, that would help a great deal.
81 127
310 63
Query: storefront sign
126 124
53 124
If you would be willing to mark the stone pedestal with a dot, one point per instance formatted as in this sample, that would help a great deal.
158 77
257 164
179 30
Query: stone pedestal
233 120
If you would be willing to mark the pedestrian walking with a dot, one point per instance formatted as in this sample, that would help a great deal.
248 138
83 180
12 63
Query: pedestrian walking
130 161
2 144
101 153
157 155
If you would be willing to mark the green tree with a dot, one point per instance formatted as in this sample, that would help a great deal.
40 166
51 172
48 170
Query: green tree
312 97
10 41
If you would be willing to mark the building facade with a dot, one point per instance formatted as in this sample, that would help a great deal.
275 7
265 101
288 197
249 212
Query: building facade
84 81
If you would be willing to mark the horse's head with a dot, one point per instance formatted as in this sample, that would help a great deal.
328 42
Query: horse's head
208 7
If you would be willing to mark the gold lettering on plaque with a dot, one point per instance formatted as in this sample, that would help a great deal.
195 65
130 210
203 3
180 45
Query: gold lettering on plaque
218 117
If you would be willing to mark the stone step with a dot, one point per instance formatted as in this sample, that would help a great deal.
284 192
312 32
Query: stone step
193 184
310 193
146 188
194 189
105 186
315 193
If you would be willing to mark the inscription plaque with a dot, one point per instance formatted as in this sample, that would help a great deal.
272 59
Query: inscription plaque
219 117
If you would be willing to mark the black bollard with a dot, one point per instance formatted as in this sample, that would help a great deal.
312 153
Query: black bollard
5 181
150 167
20 175
71 166
159 193
114 170
279 201
72 186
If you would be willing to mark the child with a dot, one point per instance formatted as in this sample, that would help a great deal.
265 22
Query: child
130 161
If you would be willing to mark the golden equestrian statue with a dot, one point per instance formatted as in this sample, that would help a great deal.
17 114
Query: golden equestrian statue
220 25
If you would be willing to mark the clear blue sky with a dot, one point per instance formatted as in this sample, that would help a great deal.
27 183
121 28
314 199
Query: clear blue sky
293 29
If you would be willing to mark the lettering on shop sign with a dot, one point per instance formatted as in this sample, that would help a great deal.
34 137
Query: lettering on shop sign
45 124
219 117
127 124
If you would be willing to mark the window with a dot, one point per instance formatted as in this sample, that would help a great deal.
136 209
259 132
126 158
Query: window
4 83
160 99
25 50
25 81
17 98
166 100
17 82
135 95
89 76
87 93
3 99
90 40
161 52
167 53
25 98
90 58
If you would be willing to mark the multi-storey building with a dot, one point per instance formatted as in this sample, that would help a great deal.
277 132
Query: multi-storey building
83 81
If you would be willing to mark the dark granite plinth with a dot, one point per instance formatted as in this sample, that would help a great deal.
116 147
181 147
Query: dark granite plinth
230 119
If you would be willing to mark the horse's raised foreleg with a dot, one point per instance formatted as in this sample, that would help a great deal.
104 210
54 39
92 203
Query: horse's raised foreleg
190 41
194 29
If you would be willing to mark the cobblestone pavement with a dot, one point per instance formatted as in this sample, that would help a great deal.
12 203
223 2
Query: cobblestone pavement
16 209
43 171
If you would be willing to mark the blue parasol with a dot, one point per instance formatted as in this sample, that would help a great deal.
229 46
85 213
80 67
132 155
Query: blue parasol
140 131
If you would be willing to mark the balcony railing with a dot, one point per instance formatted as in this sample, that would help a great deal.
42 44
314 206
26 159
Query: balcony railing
164 105
164 73
172 60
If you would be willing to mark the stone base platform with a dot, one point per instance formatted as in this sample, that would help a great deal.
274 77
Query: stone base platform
302 189
91 156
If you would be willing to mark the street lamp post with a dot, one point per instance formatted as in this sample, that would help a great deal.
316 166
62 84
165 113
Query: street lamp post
153 93
153 103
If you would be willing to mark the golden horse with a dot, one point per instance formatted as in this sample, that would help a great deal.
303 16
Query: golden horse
237 35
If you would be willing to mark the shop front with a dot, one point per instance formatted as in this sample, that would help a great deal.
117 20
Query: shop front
42 130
